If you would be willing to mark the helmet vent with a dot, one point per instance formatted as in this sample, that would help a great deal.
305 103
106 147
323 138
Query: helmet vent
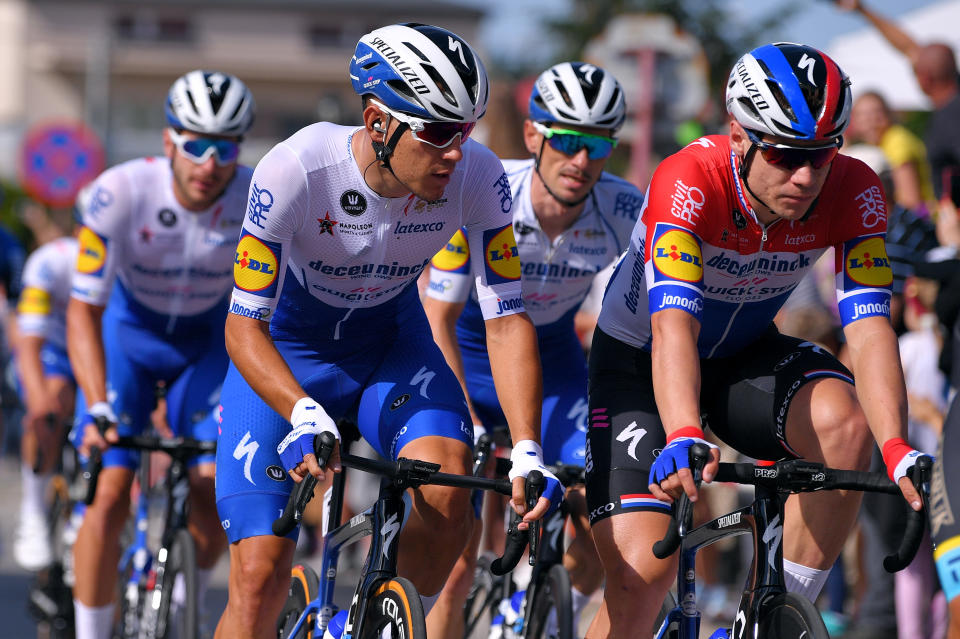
747 104
370 65
240 107
781 99
417 51
562 92
441 84
445 112
400 87
613 100
193 103
216 97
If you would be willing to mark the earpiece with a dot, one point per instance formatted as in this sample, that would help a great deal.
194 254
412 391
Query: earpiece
378 127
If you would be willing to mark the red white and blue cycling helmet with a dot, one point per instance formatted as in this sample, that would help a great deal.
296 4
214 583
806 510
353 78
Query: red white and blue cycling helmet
580 94
210 102
790 91
421 70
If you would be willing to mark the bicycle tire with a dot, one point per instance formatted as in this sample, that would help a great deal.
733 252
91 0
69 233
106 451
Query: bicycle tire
672 631
552 593
182 560
396 603
485 594
304 588
791 616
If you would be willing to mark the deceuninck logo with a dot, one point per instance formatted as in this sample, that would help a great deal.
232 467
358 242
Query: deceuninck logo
501 257
866 262
676 254
92 254
255 265
454 255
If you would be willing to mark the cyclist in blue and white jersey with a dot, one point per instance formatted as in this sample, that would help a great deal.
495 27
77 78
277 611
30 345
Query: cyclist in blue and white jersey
46 385
150 293
326 319
571 220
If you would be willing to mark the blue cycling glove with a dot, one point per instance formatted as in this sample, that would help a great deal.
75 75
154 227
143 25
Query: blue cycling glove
527 456
676 454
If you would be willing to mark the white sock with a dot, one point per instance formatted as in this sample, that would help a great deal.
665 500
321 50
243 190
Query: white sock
428 603
93 622
804 580
578 602
34 490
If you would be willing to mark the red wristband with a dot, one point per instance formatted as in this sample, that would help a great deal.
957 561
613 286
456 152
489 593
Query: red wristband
686 431
893 452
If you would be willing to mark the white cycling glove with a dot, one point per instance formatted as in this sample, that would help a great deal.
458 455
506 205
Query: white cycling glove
528 456
308 420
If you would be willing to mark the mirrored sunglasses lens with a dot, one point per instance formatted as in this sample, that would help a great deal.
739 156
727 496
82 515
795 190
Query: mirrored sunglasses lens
795 158
441 134
571 144
224 150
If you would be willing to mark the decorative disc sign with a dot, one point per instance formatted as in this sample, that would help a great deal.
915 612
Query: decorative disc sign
56 160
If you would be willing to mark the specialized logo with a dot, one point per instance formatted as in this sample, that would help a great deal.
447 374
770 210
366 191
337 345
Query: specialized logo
92 252
772 537
867 263
400 401
455 255
276 473
326 224
501 256
633 434
34 301
261 200
389 531
423 378
167 217
353 203
676 254
245 450
255 265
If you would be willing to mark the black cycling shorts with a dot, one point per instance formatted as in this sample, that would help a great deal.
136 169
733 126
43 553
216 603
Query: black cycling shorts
744 400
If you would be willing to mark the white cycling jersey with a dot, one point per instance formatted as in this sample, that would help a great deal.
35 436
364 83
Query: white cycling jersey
42 309
170 261
316 232
557 274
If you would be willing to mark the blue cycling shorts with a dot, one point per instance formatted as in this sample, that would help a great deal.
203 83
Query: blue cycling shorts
55 363
393 378
563 424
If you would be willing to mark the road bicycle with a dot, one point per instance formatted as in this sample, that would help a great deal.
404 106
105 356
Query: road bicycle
766 609
383 605
148 577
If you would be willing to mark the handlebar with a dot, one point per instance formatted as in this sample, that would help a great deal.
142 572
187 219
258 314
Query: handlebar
518 539
798 475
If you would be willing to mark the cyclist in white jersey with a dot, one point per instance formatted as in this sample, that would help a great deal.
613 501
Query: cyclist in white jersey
47 388
571 219
150 294
326 320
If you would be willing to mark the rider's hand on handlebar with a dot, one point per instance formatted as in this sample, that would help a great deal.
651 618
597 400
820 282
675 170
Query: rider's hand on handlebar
899 457
526 457
296 450
91 435
670 474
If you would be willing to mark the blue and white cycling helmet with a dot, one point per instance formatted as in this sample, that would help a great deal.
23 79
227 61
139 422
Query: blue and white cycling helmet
580 94
421 70
210 102
790 91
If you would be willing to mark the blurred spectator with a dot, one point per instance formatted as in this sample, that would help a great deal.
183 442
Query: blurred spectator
935 68
873 123
12 258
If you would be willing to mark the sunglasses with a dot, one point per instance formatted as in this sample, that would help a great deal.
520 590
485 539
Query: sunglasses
199 150
793 157
439 135
569 142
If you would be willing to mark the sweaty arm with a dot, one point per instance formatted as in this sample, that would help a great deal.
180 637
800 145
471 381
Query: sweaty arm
515 363
443 323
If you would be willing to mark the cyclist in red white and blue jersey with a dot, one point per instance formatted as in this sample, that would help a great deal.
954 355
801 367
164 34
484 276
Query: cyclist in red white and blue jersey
148 302
326 321
729 226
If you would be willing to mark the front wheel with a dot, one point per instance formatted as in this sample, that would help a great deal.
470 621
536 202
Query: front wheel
304 588
791 616
176 618
551 599
394 610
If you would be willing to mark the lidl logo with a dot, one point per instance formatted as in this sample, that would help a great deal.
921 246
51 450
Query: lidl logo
455 256
501 256
867 263
34 301
92 252
676 254
255 265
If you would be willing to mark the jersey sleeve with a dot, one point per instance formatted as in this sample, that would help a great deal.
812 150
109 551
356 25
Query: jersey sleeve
863 272
451 275
106 210
276 206
494 257
36 299
674 220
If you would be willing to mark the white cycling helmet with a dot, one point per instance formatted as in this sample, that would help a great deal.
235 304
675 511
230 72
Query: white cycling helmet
580 94
210 102
421 70
790 91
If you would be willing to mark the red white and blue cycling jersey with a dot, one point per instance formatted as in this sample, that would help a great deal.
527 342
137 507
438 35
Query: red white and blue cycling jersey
698 246
557 275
